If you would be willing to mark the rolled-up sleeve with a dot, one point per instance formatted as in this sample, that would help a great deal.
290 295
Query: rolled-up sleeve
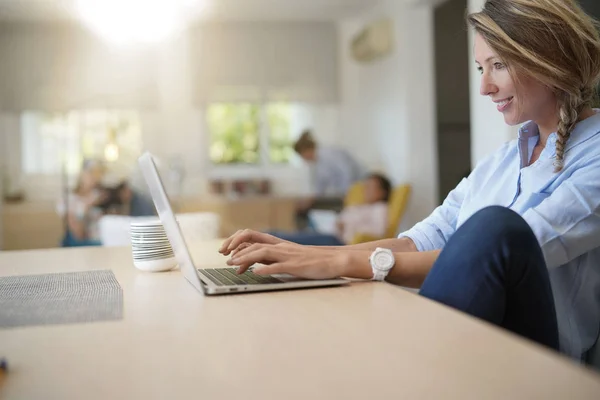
433 232
567 222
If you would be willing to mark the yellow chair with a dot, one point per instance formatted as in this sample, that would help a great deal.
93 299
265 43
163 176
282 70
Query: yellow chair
396 208
355 195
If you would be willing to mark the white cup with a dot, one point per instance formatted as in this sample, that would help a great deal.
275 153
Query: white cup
158 265
152 253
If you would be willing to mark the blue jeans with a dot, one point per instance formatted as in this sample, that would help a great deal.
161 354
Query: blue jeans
309 238
493 268
70 241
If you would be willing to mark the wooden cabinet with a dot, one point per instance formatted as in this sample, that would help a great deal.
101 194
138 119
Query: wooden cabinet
31 226
258 213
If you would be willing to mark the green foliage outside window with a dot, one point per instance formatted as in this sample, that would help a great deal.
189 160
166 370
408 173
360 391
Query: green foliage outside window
236 132
279 117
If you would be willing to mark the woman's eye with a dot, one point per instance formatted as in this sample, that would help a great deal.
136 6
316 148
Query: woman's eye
480 70
498 65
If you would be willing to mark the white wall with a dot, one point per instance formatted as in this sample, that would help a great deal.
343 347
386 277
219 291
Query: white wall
53 66
275 60
488 130
388 112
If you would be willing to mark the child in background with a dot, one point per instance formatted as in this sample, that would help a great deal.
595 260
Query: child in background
368 218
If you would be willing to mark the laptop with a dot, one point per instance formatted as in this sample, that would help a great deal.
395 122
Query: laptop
213 281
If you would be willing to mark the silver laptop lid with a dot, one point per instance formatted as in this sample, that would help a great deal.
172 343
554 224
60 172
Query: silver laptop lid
167 217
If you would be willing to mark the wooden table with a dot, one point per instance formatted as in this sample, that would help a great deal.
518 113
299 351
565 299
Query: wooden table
364 341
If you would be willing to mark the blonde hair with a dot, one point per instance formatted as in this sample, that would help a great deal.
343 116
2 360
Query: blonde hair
552 41
305 142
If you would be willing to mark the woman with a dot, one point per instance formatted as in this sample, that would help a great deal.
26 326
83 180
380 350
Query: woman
517 243
82 208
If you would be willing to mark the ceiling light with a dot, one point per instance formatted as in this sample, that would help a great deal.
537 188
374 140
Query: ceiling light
135 21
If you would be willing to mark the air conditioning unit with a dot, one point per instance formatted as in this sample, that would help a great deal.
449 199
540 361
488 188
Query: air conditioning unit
374 41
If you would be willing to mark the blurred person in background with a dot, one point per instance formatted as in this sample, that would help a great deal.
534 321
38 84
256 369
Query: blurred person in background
82 208
368 218
127 201
334 171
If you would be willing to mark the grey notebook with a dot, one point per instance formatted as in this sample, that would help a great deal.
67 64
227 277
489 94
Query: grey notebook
61 298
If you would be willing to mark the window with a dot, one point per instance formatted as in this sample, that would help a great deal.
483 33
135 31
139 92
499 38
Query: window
250 133
57 142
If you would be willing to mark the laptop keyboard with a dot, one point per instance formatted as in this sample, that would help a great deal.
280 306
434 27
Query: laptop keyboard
228 277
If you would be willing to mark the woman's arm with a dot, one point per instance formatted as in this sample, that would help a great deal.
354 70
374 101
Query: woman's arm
410 268
434 231
394 244
431 234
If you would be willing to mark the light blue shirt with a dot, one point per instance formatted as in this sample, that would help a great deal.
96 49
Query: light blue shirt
562 209
334 171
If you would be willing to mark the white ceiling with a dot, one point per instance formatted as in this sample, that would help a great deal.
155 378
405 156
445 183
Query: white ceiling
51 10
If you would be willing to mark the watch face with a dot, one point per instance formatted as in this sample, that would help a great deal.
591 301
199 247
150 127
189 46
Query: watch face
383 260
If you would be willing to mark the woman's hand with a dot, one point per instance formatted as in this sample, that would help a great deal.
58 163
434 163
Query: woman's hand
289 258
244 238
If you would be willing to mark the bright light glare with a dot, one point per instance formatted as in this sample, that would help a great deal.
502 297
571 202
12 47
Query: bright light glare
111 152
134 21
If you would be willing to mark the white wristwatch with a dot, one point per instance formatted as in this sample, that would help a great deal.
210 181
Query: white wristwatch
382 261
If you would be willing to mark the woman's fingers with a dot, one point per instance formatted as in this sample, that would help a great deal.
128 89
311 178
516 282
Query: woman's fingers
244 237
223 249
238 239
256 253
239 248
242 250
269 251
243 267
288 259
275 268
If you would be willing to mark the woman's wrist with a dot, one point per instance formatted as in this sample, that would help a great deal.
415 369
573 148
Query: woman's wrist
354 264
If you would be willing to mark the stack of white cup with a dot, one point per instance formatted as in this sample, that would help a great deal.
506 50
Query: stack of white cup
150 246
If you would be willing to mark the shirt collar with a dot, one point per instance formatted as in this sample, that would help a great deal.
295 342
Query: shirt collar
583 131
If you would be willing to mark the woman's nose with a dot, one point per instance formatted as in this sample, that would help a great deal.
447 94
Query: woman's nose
487 86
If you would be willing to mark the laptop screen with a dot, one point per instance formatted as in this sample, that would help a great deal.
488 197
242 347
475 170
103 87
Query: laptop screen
165 213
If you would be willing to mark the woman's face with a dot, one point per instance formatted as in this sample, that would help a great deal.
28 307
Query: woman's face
530 100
